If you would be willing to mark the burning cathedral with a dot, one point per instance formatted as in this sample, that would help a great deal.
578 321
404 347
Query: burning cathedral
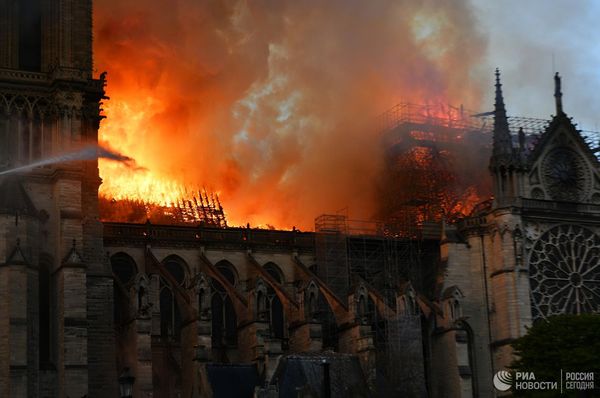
420 307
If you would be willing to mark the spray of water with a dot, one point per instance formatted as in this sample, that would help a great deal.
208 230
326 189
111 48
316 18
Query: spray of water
90 152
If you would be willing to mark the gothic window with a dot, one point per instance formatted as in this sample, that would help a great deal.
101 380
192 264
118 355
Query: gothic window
273 303
565 175
455 312
564 269
140 296
202 302
226 269
261 305
362 307
45 311
312 305
176 270
224 318
124 269
30 34
410 304
170 314
274 271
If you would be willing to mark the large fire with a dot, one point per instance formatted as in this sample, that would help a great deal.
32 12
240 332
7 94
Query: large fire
270 104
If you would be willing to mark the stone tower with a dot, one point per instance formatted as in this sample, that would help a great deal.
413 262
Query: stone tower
55 284
530 253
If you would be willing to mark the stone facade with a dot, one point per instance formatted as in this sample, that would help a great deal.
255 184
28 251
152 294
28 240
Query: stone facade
249 296
529 253
59 286
83 301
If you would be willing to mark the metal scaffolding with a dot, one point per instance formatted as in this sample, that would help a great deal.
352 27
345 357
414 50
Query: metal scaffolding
349 250
459 118
332 252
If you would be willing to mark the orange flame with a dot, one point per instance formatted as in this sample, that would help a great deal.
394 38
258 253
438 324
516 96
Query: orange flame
273 106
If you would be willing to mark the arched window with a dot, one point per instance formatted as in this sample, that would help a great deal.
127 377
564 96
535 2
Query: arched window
123 267
224 319
30 34
455 309
170 315
176 270
261 306
362 307
412 305
124 270
226 269
312 304
273 303
274 271
45 310
140 296
310 301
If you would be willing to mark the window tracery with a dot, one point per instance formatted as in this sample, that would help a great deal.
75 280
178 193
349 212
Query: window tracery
564 269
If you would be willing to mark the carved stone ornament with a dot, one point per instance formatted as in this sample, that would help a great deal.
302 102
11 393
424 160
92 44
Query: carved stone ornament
565 175
564 270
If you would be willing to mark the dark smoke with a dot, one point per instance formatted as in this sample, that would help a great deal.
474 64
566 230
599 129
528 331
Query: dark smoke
271 103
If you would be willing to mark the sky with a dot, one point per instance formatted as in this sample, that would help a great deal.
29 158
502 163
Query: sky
529 41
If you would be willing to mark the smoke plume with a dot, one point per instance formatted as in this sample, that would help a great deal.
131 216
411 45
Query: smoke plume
272 103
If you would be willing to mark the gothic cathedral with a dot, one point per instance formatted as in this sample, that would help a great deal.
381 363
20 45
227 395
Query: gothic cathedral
185 310
55 283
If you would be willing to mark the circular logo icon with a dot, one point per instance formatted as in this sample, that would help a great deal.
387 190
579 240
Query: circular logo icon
503 380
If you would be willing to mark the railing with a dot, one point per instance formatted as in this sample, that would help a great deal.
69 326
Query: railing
434 115
458 118
204 235
64 73
58 73
537 204
534 205
12 74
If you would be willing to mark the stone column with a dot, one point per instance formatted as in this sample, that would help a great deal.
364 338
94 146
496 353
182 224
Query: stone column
72 327
273 351
143 329
306 337
71 291
4 331
18 300
251 342
357 339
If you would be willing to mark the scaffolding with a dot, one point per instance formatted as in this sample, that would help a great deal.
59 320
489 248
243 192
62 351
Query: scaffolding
461 119
347 250
331 252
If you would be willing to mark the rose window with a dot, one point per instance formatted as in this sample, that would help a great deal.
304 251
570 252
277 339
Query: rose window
564 269
565 175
